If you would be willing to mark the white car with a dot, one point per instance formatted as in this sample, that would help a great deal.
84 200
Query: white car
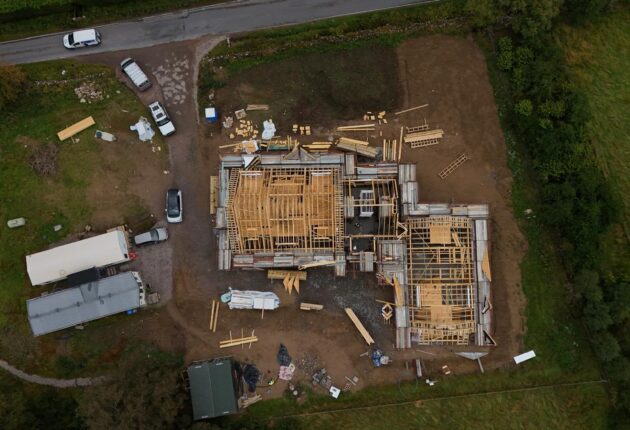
164 123
174 209
154 235
82 38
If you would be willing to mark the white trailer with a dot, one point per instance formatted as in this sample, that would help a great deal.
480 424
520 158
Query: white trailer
58 263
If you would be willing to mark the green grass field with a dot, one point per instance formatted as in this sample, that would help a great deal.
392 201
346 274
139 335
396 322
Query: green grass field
598 56
41 112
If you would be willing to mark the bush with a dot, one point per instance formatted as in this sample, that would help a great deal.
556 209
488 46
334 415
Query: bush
12 80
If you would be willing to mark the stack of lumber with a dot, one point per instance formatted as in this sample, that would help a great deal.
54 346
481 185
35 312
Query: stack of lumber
290 282
248 146
421 139
76 128
358 127
303 129
245 129
359 326
366 151
369 116
281 274
390 150
318 146
353 141
311 307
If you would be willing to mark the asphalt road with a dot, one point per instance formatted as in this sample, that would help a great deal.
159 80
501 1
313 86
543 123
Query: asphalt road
222 19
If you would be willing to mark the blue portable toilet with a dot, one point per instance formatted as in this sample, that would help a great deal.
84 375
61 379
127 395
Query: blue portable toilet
211 114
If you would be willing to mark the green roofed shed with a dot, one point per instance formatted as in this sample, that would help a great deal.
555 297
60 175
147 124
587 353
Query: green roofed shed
212 388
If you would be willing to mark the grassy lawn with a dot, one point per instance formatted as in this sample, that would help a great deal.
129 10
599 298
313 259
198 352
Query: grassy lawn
598 56
61 12
563 352
60 198
557 408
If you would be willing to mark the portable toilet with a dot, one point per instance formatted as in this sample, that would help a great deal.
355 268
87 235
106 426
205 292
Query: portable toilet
211 114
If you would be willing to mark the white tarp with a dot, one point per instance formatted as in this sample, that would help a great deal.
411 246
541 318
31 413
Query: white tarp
253 300
143 127
58 263
269 129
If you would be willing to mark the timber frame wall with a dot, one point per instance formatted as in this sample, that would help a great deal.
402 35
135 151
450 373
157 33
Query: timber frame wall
275 210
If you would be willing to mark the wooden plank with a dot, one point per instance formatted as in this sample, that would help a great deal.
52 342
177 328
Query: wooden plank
356 126
485 265
287 283
400 298
311 306
296 284
359 326
237 342
216 318
76 128
410 109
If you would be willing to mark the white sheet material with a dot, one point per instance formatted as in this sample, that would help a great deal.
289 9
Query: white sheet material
143 127
253 300
524 357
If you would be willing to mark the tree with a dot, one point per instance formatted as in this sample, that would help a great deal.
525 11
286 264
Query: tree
606 346
144 393
530 18
484 13
581 11
12 80
524 107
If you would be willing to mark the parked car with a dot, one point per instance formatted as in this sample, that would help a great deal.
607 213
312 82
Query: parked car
174 209
135 74
154 235
82 38
164 123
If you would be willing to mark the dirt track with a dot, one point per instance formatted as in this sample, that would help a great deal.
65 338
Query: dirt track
449 74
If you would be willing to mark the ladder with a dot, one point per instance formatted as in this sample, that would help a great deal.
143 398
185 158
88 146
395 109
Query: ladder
454 165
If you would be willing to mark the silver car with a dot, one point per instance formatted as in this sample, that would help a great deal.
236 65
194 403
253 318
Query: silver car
154 235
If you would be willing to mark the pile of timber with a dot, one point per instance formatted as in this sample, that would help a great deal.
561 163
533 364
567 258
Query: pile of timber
361 149
282 274
290 282
318 146
310 307
421 139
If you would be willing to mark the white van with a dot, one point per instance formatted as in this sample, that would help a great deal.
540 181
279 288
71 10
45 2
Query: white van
82 38
135 73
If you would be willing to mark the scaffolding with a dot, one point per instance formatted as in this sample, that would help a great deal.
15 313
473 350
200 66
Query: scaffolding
275 210
441 281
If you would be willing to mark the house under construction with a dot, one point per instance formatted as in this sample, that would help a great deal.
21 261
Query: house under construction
279 210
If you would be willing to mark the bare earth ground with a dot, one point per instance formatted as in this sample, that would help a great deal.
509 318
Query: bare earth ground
446 72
